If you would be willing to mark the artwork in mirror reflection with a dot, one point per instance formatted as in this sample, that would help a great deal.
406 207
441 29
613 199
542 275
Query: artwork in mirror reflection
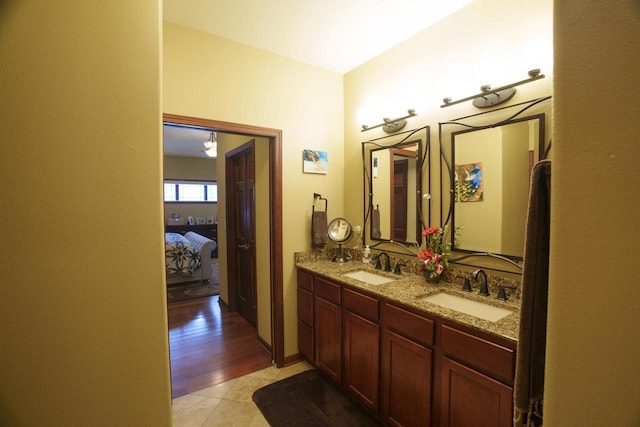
395 189
468 186
491 168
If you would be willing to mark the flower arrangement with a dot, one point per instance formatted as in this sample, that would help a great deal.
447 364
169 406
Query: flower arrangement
434 256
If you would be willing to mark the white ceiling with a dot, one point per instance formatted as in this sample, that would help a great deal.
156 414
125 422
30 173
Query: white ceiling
184 141
336 35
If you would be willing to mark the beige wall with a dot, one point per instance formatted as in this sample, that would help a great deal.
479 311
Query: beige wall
593 375
83 306
250 86
452 58
190 168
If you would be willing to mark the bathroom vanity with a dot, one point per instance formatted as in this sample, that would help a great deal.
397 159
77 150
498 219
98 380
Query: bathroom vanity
410 361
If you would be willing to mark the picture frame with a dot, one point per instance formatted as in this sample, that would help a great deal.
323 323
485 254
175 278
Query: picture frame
190 220
315 161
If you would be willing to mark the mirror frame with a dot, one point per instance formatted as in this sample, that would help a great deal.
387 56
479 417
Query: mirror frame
398 140
447 168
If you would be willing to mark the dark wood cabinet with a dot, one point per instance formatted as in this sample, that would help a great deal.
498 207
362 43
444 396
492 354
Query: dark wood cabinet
306 331
476 380
361 347
406 368
328 328
469 398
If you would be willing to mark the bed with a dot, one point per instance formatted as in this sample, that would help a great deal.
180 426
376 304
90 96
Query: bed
188 257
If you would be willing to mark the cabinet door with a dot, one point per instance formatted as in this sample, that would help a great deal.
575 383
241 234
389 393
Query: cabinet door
305 323
469 398
406 381
361 360
328 338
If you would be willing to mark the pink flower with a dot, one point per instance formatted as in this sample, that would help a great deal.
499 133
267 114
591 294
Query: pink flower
430 230
435 252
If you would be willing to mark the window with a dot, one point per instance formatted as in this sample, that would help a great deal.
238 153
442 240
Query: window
190 191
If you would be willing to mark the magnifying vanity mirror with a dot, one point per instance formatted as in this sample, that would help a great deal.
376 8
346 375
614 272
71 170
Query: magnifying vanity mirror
393 172
485 183
340 232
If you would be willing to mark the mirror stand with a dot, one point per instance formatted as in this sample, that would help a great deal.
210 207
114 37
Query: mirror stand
340 255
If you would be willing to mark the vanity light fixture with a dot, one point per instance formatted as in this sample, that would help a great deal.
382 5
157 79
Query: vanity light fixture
490 97
392 125
211 145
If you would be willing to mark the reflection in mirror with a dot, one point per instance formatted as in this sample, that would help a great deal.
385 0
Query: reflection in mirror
340 232
395 185
487 186
393 180
491 185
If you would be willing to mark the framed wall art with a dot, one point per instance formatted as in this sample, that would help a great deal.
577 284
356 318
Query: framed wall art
314 161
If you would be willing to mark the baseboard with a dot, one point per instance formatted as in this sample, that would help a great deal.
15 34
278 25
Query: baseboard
294 358
223 303
266 345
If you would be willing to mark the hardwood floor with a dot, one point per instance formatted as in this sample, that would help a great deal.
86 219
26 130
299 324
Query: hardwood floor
208 345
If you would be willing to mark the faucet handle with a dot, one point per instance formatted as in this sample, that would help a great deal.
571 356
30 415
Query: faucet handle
466 284
378 264
396 269
502 293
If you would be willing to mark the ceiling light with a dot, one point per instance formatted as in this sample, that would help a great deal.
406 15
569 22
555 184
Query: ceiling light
211 145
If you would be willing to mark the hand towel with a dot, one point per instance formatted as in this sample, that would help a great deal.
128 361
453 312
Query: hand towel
375 224
529 381
319 232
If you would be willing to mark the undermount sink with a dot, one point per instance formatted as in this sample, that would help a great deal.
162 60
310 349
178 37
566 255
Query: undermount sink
472 308
368 277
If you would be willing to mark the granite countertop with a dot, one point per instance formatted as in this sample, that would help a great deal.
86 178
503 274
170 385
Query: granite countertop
410 290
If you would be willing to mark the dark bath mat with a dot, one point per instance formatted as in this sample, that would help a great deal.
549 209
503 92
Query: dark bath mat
308 400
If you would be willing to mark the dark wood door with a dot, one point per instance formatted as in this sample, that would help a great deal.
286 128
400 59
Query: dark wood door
471 399
400 199
361 359
406 381
240 167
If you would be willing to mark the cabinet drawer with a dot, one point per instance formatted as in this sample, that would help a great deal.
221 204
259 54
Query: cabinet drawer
363 305
305 280
480 353
326 290
305 306
408 324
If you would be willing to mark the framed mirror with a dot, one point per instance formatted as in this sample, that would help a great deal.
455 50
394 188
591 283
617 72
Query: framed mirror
394 176
485 182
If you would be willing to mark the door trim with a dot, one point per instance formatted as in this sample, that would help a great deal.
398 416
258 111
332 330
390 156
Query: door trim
275 214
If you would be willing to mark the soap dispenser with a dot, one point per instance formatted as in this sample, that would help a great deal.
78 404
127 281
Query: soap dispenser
366 255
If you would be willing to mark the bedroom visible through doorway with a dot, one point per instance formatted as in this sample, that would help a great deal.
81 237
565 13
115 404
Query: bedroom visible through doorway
272 143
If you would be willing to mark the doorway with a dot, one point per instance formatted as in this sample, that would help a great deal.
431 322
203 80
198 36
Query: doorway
274 138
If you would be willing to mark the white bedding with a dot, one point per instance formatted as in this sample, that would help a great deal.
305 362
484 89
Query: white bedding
181 257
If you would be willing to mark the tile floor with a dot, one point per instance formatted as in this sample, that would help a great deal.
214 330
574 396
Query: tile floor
230 403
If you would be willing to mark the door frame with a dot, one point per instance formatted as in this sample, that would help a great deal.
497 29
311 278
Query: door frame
275 214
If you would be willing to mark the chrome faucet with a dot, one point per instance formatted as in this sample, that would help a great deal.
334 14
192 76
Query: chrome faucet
480 276
387 266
